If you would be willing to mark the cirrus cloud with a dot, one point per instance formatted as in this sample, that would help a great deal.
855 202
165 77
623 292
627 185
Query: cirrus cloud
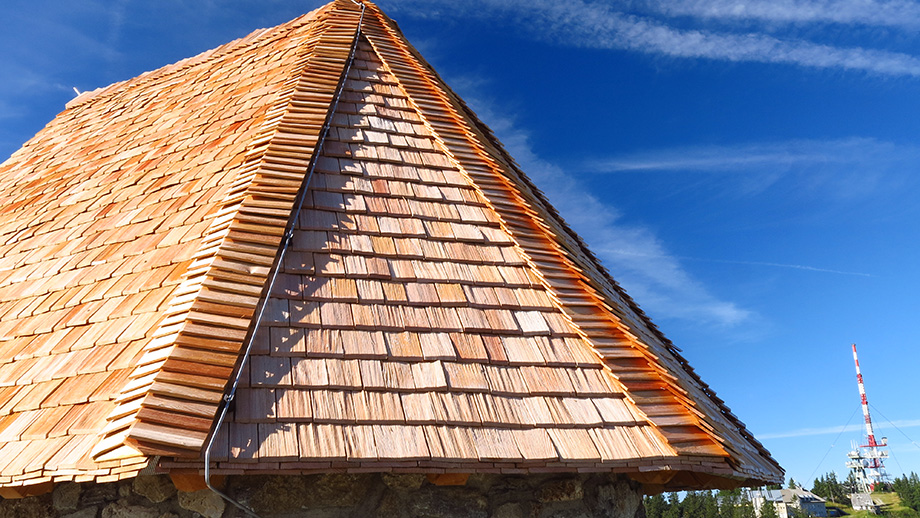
611 26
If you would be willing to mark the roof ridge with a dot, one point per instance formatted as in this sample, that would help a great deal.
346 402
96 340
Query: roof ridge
532 266
246 237
377 95
593 261
484 179
724 411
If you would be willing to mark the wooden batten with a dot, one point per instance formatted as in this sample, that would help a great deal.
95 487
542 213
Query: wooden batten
15 493
448 479
190 480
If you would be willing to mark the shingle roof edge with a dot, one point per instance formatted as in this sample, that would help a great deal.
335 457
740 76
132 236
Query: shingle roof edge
582 250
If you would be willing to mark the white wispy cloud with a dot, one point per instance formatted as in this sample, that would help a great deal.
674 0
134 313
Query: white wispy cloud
601 25
606 29
19 80
756 156
9 111
634 254
48 48
639 260
829 430
896 13
755 263
835 169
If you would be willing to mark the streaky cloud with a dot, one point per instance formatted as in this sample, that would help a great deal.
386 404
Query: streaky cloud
599 25
648 272
749 263
782 265
756 156
806 432
833 170
895 13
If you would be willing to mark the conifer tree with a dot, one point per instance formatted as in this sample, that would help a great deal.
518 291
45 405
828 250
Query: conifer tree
745 509
727 503
767 510
710 505
692 505
654 506
672 510
908 490
819 487
829 488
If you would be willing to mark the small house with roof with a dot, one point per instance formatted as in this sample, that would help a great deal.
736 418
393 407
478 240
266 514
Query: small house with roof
789 503
300 255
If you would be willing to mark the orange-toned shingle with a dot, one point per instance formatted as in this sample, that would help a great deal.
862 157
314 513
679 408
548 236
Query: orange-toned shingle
431 310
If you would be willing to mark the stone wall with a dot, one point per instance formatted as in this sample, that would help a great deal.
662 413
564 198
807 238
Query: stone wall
341 495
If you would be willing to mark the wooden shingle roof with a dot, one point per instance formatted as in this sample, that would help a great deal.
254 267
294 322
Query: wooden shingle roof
413 304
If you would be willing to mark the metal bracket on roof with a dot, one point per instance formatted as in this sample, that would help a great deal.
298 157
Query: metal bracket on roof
288 236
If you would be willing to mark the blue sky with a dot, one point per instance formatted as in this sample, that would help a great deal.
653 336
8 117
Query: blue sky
747 170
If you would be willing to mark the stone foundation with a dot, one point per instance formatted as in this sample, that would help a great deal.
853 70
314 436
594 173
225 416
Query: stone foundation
341 495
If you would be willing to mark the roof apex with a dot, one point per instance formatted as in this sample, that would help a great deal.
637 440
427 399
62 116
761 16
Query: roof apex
313 208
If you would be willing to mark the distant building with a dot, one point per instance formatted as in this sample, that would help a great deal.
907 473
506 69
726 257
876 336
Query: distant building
790 503
864 502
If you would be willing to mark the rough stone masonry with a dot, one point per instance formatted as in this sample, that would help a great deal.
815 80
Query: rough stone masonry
344 495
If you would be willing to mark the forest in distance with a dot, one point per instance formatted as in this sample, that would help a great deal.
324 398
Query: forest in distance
737 503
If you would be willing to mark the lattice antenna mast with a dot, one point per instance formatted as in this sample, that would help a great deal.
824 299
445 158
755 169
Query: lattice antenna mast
865 403
868 464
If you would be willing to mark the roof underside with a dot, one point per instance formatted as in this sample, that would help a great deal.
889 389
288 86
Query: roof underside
431 312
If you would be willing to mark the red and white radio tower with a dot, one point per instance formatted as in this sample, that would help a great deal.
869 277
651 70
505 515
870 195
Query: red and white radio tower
866 461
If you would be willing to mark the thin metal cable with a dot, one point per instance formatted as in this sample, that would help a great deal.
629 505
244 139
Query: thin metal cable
844 427
289 234
891 450
895 426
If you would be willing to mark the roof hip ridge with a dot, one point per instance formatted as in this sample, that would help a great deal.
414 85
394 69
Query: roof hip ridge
249 235
533 195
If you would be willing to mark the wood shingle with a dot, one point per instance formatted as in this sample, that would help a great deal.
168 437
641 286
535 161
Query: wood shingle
423 307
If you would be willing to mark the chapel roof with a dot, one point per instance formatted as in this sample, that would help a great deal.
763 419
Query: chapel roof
311 210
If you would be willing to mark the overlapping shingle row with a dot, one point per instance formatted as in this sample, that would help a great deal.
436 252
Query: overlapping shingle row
659 380
406 321
432 312
179 382
107 214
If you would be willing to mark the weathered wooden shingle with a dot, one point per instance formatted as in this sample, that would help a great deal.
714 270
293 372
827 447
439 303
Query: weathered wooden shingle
431 311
